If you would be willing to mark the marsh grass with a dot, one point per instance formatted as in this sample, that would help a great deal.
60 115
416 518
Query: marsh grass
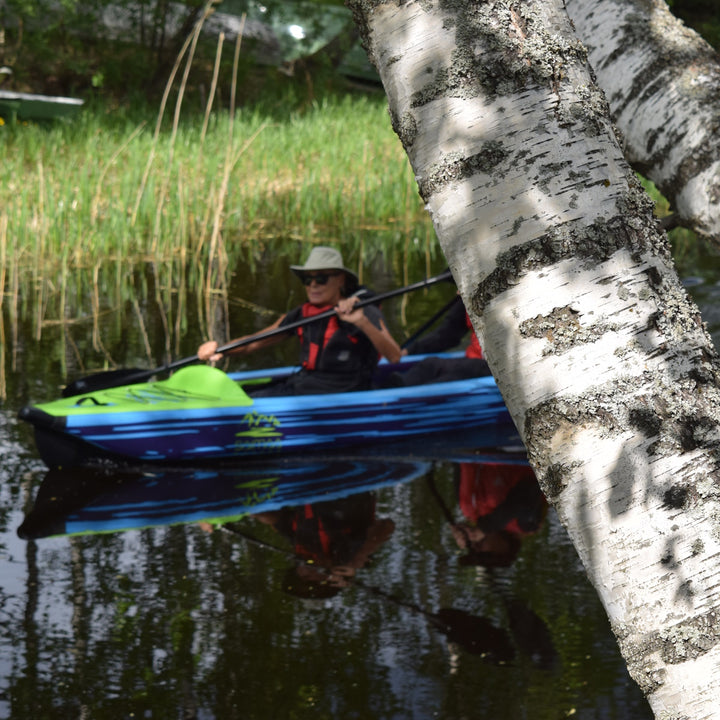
78 194
321 173
82 204
74 195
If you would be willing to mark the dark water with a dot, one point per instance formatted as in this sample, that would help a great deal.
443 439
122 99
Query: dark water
333 588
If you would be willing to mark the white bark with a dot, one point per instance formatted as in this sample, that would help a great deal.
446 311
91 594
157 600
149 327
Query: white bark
662 81
601 357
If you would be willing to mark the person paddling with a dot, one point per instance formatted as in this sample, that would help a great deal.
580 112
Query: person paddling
338 353
450 333
442 369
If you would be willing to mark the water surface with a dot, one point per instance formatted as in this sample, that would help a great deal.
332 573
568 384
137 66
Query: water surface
333 587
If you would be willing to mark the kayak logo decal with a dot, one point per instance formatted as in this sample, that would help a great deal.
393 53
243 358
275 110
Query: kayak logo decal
262 431
260 492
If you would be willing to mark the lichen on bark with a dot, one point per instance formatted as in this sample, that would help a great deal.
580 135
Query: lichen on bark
455 168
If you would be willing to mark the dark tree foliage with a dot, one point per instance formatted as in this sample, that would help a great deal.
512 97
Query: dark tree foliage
64 47
702 15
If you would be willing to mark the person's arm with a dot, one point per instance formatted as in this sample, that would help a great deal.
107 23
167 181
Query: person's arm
447 335
378 334
208 350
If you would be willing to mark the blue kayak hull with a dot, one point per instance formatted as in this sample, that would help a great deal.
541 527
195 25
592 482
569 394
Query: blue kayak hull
154 429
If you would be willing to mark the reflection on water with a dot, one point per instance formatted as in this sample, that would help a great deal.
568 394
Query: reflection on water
88 500
428 582
367 587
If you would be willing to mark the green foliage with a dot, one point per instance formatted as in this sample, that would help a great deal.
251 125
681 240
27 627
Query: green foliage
85 205
60 47
701 15
66 48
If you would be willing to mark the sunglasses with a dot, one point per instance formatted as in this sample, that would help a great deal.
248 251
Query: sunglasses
319 278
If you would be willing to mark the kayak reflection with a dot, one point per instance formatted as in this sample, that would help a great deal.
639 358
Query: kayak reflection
324 515
91 500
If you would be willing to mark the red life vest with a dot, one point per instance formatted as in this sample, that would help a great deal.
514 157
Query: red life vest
484 487
315 338
330 532
473 350
322 536
335 356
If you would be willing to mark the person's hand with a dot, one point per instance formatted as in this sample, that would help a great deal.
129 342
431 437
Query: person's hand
340 576
347 312
465 535
207 351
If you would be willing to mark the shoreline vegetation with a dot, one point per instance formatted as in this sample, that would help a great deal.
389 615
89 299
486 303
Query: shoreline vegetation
187 194
75 195
82 204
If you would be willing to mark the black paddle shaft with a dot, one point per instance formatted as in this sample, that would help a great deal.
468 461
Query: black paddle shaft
429 323
116 378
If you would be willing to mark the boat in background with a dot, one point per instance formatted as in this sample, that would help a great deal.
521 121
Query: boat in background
28 106
201 414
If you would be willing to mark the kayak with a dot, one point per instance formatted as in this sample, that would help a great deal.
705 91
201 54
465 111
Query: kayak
201 414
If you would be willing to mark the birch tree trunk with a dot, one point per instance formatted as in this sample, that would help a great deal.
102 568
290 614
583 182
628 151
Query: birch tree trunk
662 81
602 359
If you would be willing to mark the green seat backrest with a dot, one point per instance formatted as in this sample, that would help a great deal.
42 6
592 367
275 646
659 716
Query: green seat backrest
206 380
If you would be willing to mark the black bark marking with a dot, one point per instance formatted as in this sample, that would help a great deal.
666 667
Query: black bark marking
456 168
675 498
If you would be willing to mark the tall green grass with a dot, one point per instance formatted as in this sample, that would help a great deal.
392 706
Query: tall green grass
94 198
94 190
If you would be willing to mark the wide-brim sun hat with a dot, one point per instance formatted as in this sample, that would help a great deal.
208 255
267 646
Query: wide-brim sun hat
323 258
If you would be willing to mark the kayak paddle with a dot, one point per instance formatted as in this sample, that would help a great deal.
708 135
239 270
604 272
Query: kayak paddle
130 376
430 322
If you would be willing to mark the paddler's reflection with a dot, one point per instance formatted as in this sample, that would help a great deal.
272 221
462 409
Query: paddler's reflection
332 540
501 503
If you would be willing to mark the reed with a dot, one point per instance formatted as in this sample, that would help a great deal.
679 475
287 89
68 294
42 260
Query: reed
84 203
334 171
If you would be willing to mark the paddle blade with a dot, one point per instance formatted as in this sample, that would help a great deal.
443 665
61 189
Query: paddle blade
532 635
107 379
476 635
